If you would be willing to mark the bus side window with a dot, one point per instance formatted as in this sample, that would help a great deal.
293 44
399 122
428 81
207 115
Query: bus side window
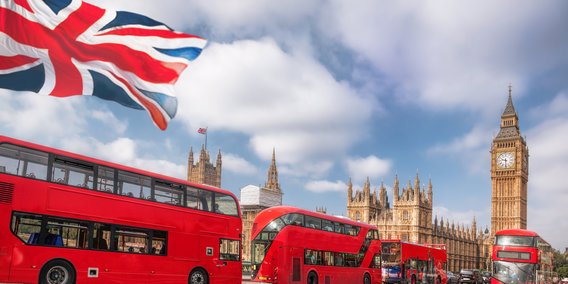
159 242
101 236
192 198
168 193
27 227
339 259
138 186
225 204
105 179
72 173
205 200
339 228
23 162
293 219
130 240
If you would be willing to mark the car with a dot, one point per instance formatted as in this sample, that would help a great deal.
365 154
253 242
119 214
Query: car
452 278
486 276
470 276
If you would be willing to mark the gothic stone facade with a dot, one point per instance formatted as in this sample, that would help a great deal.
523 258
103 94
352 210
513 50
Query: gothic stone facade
204 172
410 219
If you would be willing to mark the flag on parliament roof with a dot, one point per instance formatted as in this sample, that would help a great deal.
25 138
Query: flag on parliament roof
69 47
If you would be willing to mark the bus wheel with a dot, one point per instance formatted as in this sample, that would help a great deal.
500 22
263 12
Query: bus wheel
439 280
312 278
198 276
367 279
57 272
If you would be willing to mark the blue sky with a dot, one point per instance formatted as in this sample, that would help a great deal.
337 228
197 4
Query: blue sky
344 89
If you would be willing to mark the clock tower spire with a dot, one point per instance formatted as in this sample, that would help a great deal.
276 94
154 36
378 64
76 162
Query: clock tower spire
509 173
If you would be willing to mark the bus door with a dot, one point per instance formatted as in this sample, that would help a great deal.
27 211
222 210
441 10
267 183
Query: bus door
228 261
295 262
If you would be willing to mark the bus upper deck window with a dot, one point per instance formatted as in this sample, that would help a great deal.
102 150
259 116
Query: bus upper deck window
23 162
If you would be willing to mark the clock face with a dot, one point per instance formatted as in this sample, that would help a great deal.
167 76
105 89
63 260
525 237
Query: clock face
505 160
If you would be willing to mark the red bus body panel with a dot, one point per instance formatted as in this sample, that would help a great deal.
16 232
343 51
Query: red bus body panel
291 241
538 255
190 232
423 252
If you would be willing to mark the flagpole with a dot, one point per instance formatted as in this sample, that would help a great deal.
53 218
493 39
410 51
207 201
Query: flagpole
206 138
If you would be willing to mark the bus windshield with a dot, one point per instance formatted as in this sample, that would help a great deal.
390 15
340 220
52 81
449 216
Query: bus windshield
513 272
259 249
391 253
518 241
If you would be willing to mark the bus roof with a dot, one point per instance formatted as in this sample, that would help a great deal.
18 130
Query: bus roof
5 139
516 232
269 214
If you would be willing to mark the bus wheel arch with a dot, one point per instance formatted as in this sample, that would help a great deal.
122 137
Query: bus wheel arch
198 276
312 277
367 278
59 271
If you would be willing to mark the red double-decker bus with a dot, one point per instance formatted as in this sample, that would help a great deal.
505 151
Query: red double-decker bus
67 218
291 245
521 256
413 263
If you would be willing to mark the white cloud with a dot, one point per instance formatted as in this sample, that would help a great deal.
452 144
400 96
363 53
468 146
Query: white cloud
548 165
322 186
28 115
470 149
446 54
124 151
108 118
235 163
372 167
284 101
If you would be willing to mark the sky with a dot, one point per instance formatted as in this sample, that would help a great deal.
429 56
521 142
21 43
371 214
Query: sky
344 90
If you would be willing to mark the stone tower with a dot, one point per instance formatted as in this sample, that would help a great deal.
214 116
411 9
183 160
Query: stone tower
255 199
409 219
364 206
509 174
413 212
272 180
204 172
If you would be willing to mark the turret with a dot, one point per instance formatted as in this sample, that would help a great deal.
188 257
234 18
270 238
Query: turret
395 189
474 225
349 191
218 168
416 189
367 190
189 163
430 195
383 196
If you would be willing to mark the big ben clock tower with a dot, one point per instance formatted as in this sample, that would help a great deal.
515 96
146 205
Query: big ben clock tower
509 174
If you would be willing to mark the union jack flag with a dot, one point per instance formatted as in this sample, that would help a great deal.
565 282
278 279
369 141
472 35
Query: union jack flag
69 47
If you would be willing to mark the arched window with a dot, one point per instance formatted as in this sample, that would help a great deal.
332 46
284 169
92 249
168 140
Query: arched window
357 216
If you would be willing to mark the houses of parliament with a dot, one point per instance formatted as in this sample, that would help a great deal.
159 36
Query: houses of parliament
408 216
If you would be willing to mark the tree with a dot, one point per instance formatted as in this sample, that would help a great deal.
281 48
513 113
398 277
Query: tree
562 271
561 264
